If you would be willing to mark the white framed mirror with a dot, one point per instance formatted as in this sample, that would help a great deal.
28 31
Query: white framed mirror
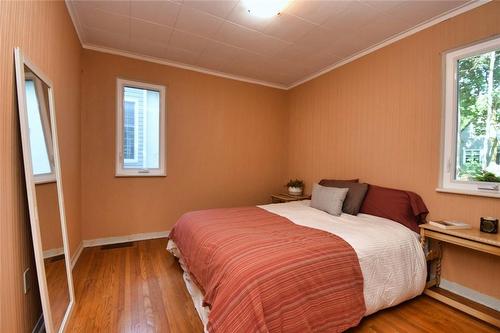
44 189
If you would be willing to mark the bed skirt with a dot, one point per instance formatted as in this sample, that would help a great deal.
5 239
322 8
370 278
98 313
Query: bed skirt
194 291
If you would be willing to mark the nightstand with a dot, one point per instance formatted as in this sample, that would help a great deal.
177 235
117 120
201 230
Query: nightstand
284 197
468 238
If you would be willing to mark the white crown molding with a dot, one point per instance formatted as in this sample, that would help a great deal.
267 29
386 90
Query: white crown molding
438 19
181 65
74 19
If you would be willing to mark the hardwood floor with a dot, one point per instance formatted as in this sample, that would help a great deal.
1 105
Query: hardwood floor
140 289
131 289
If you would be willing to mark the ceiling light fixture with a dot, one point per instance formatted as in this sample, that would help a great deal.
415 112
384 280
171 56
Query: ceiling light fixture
265 8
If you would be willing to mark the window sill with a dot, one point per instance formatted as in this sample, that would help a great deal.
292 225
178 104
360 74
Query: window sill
477 193
136 173
139 175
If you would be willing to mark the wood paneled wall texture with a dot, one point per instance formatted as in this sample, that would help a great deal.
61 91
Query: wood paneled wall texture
226 146
46 35
228 143
379 119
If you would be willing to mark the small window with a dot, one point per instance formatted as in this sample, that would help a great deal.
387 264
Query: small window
471 151
140 129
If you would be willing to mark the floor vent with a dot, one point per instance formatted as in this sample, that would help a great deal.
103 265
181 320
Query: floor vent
117 246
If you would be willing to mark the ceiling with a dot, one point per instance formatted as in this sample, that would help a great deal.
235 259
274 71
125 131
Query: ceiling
221 37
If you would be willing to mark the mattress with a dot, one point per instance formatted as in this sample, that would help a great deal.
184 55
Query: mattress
390 256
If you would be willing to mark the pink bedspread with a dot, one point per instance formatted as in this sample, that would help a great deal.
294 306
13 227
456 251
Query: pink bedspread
260 272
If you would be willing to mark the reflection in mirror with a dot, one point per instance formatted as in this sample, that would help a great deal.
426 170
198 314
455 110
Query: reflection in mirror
53 250
39 124
45 197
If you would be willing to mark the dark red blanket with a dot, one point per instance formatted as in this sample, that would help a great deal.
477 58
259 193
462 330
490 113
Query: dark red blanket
262 273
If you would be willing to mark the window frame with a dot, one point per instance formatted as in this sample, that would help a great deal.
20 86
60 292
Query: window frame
120 171
447 181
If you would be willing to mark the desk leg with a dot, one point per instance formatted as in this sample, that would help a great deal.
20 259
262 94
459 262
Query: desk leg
434 256
438 263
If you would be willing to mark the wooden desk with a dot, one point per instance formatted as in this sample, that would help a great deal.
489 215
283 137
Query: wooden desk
283 197
468 238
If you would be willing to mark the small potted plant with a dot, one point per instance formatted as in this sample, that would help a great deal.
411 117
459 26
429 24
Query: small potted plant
295 187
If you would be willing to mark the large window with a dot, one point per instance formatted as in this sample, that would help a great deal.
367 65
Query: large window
140 129
472 120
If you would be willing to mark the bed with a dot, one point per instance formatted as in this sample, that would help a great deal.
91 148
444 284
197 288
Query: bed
391 270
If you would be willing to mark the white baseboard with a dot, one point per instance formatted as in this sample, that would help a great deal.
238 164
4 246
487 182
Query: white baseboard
471 294
76 255
39 326
124 239
53 253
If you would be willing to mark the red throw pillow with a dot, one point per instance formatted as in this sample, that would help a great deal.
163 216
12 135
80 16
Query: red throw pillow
404 207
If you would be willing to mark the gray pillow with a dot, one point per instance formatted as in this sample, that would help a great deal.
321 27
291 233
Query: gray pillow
328 199
355 196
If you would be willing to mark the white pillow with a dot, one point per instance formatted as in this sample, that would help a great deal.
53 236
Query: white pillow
328 199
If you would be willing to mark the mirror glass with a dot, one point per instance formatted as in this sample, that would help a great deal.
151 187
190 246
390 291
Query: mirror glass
44 189
49 221
53 250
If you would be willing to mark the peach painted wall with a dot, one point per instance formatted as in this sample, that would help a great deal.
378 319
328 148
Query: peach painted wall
379 118
46 35
226 146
